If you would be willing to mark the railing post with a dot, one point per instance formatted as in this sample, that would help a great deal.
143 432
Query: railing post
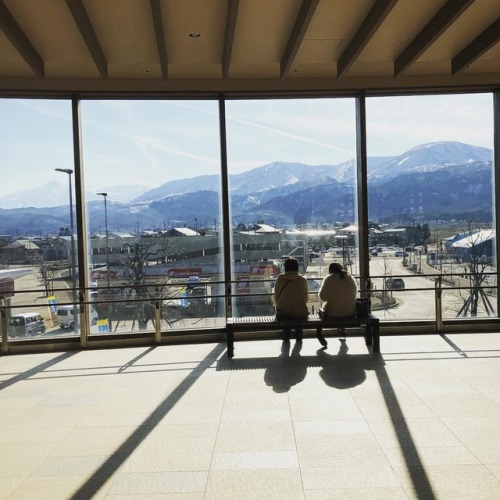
4 327
439 305
158 321
82 310
229 301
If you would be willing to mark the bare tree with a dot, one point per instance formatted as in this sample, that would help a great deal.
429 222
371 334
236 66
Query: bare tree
138 284
45 272
4 262
475 264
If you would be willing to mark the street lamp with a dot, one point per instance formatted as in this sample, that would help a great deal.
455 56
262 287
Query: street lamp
72 270
105 195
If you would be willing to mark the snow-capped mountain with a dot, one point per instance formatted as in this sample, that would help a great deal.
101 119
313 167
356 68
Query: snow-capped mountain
298 176
49 195
278 174
426 181
121 194
429 157
55 194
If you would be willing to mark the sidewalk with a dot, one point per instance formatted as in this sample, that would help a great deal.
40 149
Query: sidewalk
31 294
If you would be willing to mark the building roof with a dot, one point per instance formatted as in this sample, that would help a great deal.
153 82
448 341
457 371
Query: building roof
27 244
350 229
474 239
266 228
214 46
185 231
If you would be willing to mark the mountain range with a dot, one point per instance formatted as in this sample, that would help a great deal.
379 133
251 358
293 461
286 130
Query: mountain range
441 179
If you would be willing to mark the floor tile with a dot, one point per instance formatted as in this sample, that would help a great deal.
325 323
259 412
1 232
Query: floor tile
279 484
180 422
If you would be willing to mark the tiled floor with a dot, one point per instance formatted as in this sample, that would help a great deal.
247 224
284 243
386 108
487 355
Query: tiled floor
421 420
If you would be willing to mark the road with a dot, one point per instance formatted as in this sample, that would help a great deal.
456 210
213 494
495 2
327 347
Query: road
416 303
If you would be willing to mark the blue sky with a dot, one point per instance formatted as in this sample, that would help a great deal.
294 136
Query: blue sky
148 143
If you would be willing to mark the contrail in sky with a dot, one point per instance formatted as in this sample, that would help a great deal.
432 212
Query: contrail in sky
269 129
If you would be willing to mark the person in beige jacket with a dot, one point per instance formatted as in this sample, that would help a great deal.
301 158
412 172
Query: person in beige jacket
338 292
291 293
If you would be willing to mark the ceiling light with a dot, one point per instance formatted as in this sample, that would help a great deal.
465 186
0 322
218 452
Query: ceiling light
194 34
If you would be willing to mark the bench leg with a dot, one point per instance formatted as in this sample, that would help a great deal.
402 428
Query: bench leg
368 334
319 334
230 342
376 337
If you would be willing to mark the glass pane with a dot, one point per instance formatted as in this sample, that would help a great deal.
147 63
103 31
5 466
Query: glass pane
431 202
292 185
152 172
38 258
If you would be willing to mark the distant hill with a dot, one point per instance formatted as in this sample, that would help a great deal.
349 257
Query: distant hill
291 176
431 179
55 193
429 157
463 188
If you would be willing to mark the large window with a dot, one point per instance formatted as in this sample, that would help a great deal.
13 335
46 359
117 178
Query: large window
152 173
292 182
151 182
431 205
38 259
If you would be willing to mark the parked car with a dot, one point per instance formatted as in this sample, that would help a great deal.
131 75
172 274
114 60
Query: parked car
314 285
193 282
394 284
26 325
66 316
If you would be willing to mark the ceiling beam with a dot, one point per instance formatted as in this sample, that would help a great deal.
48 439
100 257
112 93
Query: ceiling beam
84 24
487 39
369 26
160 37
232 15
448 13
20 41
299 30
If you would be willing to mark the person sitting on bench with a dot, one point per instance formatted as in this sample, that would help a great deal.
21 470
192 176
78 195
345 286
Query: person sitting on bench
291 293
338 293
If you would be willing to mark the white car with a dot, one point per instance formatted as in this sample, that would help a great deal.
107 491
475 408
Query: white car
66 316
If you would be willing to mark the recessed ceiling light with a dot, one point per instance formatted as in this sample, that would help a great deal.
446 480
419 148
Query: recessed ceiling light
194 34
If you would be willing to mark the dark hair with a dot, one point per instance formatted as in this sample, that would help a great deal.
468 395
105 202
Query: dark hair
337 268
291 264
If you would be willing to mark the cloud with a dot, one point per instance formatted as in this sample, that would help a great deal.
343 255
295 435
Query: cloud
396 124
158 144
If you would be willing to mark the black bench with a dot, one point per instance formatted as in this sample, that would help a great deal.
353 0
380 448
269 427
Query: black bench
261 323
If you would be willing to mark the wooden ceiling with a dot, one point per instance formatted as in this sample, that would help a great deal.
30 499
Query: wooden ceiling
248 46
